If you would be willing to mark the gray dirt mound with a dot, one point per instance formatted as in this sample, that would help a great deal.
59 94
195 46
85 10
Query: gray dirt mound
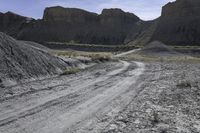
157 48
36 45
20 61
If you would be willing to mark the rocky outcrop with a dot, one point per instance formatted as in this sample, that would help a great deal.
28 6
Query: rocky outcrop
70 24
117 17
12 23
112 26
68 15
142 33
115 25
1 22
179 23
19 61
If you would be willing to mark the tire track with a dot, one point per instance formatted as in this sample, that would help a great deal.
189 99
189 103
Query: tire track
11 117
90 107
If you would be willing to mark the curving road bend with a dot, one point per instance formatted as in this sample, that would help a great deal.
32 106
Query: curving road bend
85 102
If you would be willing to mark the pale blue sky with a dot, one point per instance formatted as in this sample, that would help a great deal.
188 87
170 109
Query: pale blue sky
145 9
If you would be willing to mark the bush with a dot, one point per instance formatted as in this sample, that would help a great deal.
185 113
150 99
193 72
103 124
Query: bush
69 71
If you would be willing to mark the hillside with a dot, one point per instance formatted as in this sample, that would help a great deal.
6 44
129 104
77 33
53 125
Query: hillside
179 23
11 23
112 26
19 61
75 25
158 49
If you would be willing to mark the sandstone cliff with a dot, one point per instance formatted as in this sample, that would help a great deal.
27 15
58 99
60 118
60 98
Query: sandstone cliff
69 24
142 33
112 26
70 15
179 23
12 23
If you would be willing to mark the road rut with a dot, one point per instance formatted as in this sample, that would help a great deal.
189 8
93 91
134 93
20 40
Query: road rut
64 104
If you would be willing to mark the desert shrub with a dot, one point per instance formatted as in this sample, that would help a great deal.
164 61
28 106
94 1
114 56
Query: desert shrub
100 58
95 56
69 71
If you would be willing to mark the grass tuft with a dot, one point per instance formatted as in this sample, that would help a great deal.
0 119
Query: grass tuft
69 71
94 56
142 57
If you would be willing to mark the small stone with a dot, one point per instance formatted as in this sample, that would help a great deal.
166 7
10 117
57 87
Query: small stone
113 127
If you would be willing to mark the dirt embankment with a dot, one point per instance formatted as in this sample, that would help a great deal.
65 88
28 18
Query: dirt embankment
20 61
23 61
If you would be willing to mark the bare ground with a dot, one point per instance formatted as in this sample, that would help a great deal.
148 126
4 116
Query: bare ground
168 102
126 96
59 104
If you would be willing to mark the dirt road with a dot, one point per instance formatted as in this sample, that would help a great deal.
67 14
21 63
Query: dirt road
85 102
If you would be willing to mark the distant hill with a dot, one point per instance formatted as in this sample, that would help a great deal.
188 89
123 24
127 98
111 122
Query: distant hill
158 49
112 26
12 23
178 25
75 25
142 34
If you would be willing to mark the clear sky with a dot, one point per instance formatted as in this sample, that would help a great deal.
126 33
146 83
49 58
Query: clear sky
145 9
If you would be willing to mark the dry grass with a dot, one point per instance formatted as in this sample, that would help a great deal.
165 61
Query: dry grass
73 43
80 53
185 47
95 56
141 57
69 71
